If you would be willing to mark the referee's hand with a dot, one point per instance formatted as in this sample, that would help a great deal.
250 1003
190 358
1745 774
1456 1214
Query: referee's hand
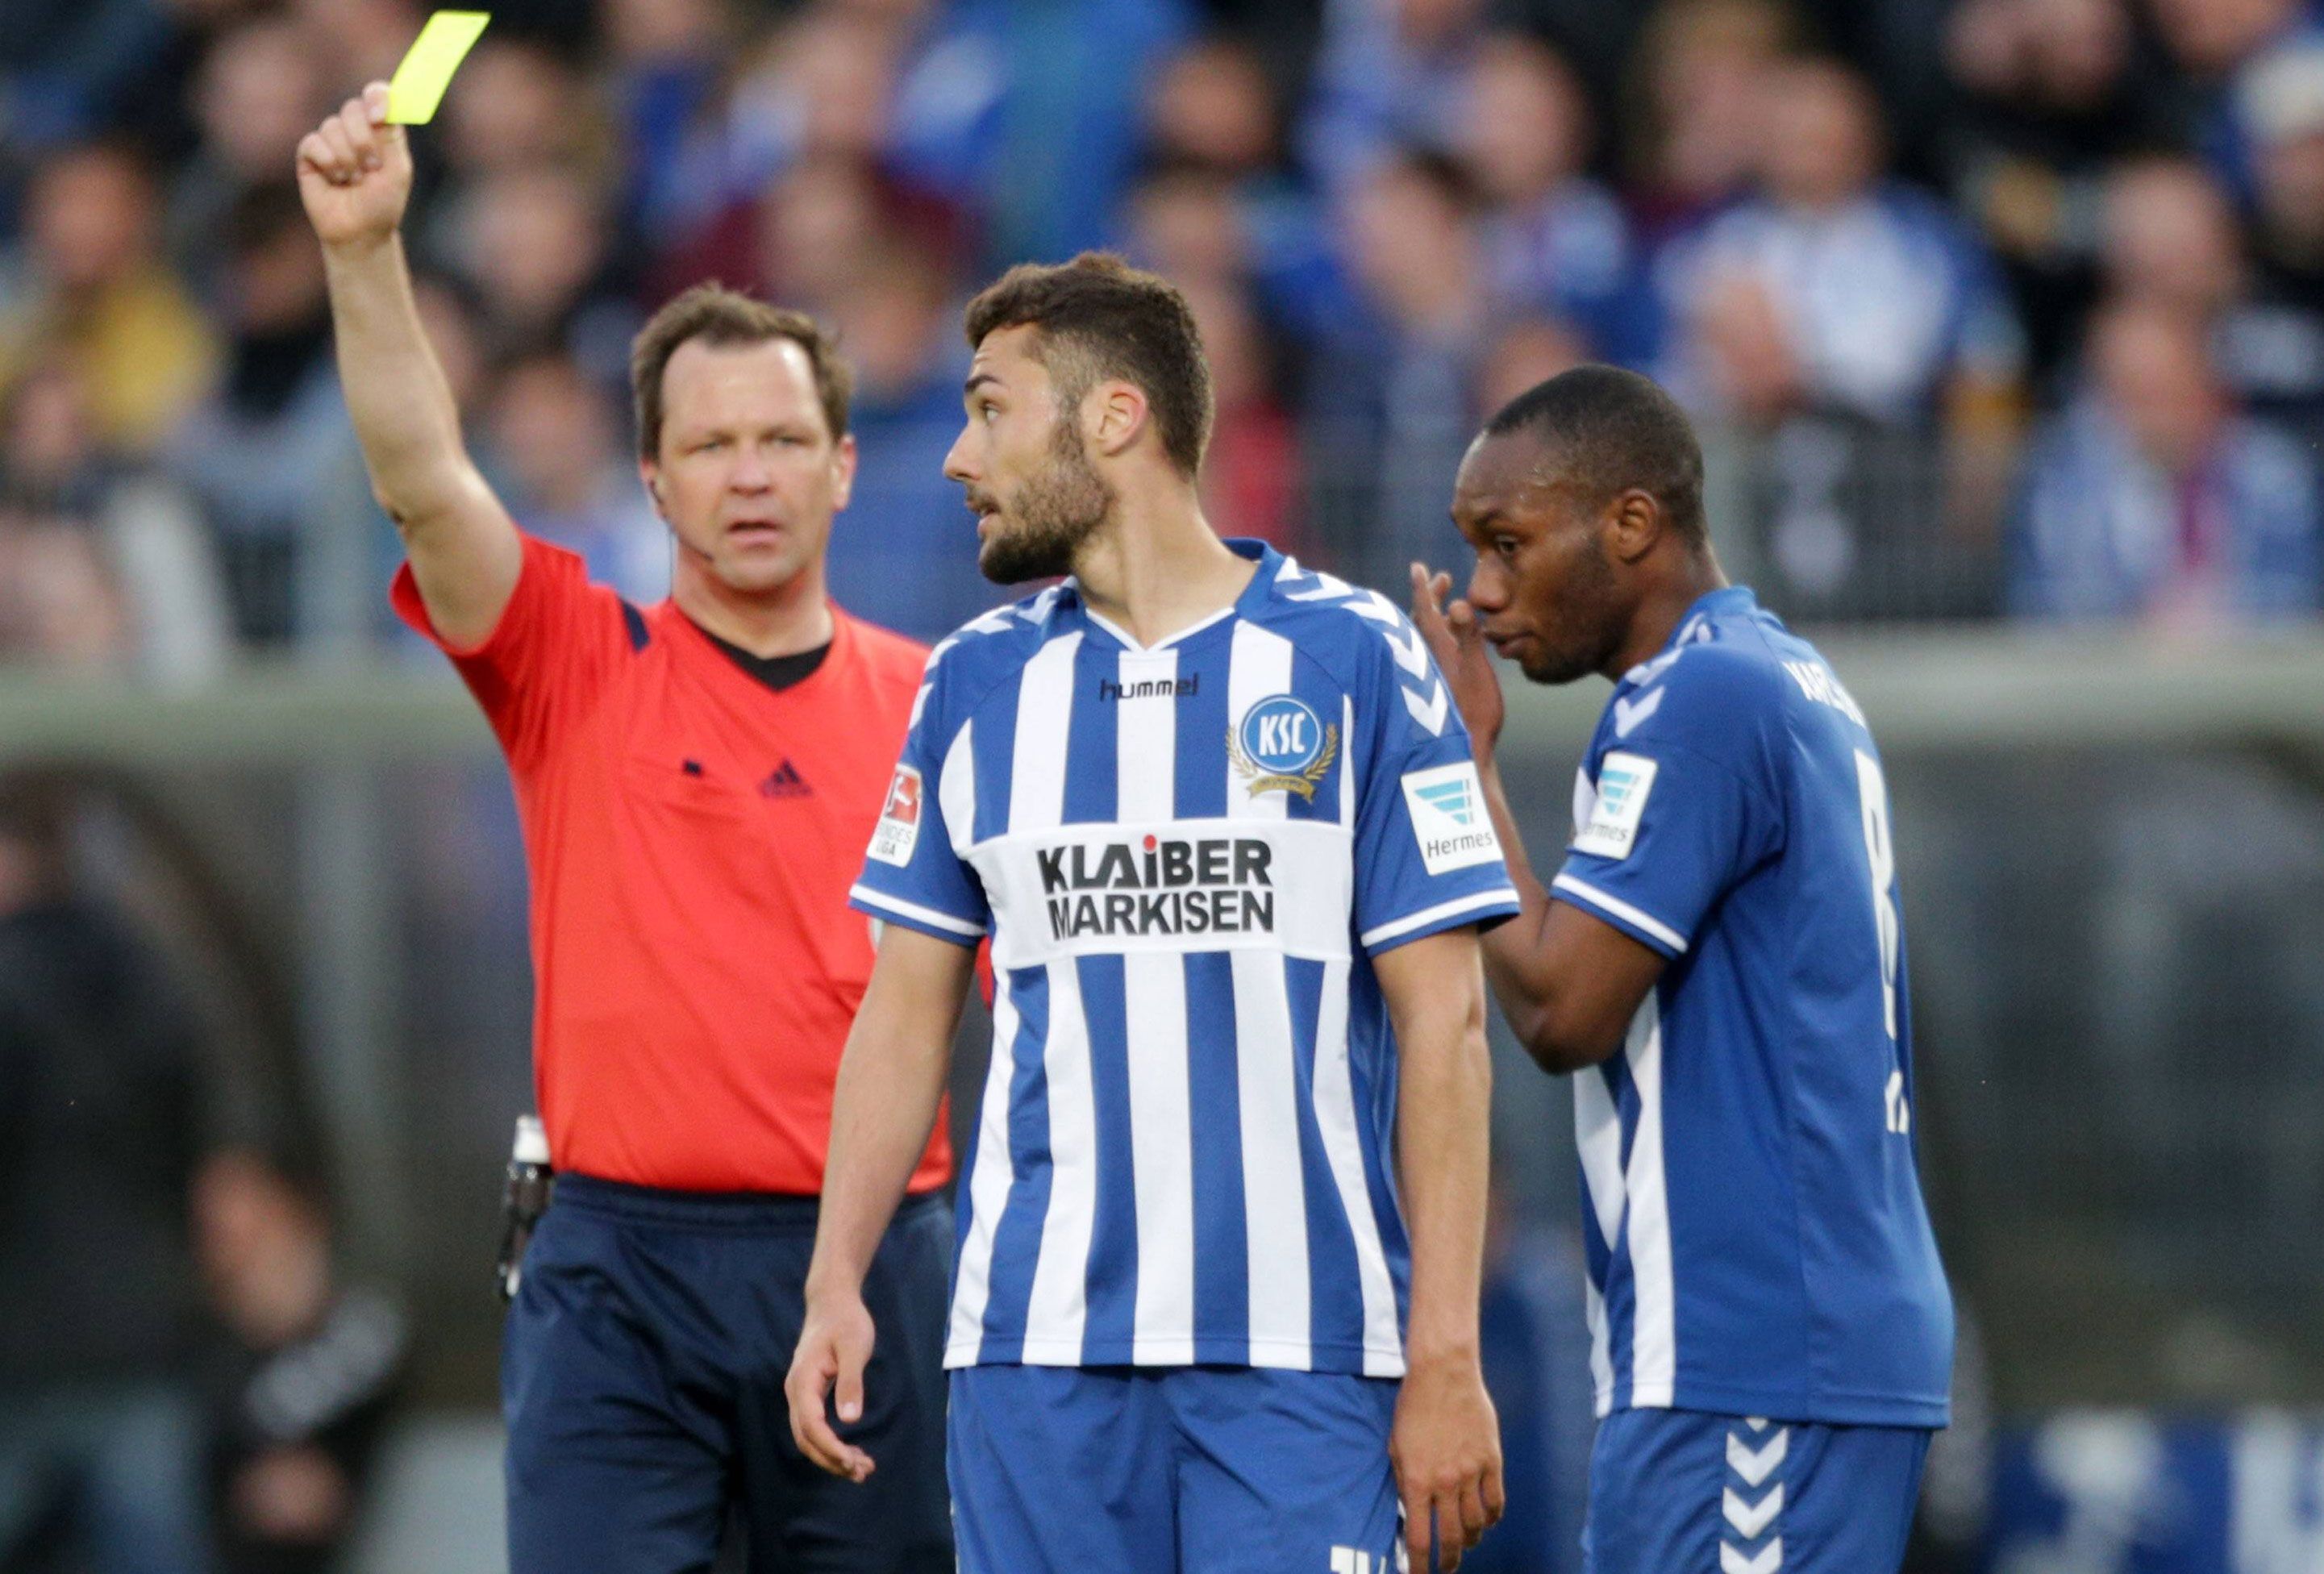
355 173
834 1348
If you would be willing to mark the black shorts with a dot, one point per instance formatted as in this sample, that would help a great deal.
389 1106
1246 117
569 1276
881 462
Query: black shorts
642 1374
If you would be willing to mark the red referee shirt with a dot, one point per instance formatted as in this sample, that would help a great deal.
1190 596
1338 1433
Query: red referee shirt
691 835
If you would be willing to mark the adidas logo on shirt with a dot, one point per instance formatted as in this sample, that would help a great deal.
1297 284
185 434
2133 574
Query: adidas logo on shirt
785 782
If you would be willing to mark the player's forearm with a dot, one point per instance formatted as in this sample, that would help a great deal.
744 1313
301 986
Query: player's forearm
1513 950
397 396
1444 1108
892 1083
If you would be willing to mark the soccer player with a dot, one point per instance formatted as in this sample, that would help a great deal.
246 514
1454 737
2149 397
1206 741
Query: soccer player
1229 1181
694 779
1721 967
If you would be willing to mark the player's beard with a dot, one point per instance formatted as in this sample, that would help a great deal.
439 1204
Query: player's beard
1586 624
1037 533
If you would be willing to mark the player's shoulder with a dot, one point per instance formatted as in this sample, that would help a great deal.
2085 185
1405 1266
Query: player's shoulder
1352 631
986 651
1723 681
1734 675
1365 644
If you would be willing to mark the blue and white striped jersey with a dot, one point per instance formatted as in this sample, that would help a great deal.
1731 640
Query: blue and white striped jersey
1757 1238
1186 856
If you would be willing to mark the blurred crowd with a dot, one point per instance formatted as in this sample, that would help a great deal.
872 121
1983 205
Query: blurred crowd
188 1383
1988 307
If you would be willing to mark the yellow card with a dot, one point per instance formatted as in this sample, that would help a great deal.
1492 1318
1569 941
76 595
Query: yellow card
418 84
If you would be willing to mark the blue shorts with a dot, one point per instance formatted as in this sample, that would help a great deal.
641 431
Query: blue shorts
642 1372
1679 1492
1152 1470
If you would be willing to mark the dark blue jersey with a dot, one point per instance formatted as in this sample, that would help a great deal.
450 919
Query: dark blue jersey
1757 1238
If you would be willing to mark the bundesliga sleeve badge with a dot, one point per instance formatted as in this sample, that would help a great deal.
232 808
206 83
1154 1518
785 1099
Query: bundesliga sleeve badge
1624 781
899 831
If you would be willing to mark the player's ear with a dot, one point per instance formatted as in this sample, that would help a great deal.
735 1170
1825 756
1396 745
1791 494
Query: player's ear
1635 522
650 473
1113 415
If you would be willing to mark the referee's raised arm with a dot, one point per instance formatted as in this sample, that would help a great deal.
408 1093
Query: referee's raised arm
355 176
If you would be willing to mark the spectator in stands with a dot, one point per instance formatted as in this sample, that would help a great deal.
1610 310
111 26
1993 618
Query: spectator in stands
554 449
2272 349
1387 398
260 88
60 603
1028 112
517 103
1554 240
1389 74
367 37
1694 99
1250 471
1213 133
832 83
904 553
816 91
103 1126
2171 236
1523 352
1213 107
67 68
1836 288
138 532
1184 222
533 244
2213 44
89 284
667 62
269 452
300 1389
2153 497
2052 93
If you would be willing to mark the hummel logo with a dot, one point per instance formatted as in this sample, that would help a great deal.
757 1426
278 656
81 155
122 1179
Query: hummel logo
1756 1465
785 782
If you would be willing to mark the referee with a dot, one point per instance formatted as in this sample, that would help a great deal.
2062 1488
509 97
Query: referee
695 781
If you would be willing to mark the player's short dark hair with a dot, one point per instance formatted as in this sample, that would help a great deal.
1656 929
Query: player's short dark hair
722 317
1612 430
1097 316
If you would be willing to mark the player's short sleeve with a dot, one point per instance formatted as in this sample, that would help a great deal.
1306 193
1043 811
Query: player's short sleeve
1685 804
557 643
913 874
1425 855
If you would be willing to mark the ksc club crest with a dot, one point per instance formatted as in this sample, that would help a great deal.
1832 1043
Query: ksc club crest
1282 746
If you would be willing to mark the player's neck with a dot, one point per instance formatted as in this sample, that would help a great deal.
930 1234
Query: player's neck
784 621
1159 569
1660 610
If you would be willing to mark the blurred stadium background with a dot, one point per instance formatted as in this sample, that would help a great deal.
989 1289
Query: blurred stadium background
2004 320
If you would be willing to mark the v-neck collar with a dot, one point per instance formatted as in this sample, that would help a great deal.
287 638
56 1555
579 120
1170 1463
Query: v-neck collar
1247 602
695 647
